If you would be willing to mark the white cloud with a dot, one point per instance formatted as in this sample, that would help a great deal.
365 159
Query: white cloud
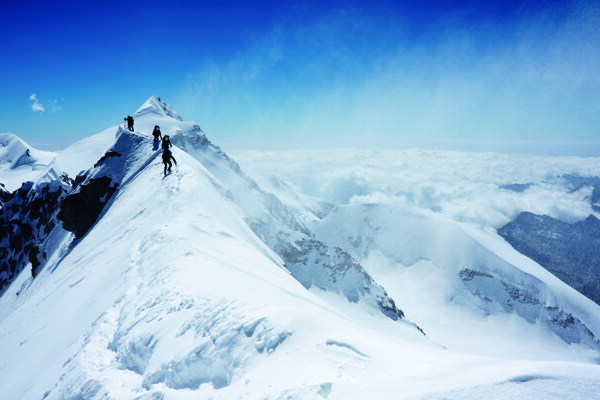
36 105
52 105
482 188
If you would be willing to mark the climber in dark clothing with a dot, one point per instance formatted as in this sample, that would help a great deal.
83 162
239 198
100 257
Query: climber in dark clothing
129 120
157 136
167 156
156 133
166 142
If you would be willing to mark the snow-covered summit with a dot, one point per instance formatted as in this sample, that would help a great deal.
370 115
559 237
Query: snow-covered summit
19 162
155 105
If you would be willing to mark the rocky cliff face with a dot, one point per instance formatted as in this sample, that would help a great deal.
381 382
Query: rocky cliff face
332 269
569 251
83 206
26 220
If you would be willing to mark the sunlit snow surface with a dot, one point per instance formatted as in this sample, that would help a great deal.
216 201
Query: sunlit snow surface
172 295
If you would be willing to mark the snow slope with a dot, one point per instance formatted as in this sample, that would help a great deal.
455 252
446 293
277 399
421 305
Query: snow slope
178 292
464 285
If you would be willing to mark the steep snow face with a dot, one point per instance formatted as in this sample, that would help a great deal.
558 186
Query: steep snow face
284 229
20 162
126 253
430 264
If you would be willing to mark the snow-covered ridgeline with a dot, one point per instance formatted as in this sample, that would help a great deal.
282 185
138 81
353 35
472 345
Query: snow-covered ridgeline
134 275
106 254
181 289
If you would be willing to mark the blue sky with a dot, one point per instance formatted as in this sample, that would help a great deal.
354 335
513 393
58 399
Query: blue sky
485 76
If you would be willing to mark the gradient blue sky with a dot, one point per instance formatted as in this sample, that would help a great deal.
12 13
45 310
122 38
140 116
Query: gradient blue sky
473 75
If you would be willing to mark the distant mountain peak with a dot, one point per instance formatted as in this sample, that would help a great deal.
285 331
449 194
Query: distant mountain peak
155 105
12 148
20 162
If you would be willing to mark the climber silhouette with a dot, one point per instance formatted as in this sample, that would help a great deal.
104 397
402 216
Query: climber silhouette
129 120
167 156
157 136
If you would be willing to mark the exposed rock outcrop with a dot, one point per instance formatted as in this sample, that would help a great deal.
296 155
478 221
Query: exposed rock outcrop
26 220
80 210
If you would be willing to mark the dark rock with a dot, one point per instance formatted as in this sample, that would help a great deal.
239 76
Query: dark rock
5 195
34 260
569 251
106 155
80 210
26 221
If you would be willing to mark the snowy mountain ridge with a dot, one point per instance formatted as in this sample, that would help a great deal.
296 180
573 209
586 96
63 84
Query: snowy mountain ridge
201 284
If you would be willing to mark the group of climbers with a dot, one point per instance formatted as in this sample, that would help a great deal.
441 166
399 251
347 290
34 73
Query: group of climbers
166 144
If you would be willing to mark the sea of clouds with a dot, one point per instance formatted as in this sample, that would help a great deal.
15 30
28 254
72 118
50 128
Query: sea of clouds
486 189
